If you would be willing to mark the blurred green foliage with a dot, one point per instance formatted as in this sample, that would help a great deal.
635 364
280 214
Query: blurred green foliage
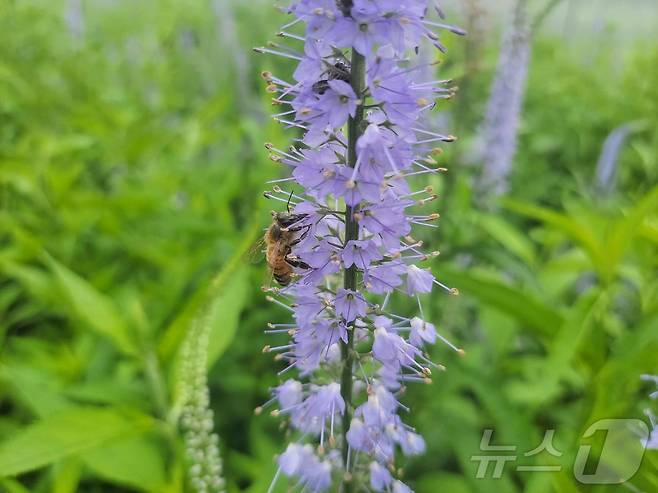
131 171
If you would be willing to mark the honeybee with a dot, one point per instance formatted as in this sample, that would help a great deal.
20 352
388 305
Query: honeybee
284 233
338 71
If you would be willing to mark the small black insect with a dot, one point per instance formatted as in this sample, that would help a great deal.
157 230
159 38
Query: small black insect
345 6
338 71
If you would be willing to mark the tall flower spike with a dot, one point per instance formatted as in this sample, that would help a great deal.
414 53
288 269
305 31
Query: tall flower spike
344 248
652 441
201 444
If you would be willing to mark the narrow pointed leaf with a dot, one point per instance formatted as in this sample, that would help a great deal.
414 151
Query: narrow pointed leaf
94 309
66 434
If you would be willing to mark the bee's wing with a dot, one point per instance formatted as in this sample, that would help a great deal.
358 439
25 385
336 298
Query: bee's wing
257 252
267 279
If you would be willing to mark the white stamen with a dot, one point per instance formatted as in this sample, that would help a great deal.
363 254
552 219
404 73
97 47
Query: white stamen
283 54
274 480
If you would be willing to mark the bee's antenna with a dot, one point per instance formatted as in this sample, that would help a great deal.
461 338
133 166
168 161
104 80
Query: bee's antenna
288 203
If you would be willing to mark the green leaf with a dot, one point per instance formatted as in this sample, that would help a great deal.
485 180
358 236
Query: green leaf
614 386
578 232
205 297
508 236
564 483
39 390
629 227
512 423
12 486
258 468
135 461
66 476
437 482
650 231
93 308
502 327
107 391
225 315
512 301
34 281
572 336
65 434
544 383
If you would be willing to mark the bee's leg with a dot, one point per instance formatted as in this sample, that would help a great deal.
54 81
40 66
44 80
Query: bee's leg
295 262
301 236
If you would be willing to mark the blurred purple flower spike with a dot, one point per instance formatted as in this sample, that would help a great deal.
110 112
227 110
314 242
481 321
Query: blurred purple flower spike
652 441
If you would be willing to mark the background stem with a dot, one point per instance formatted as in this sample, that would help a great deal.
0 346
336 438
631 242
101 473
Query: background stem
351 233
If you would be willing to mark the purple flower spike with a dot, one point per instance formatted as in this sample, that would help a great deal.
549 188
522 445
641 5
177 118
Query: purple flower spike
358 99
651 442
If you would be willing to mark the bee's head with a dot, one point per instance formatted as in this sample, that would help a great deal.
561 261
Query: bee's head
279 216
286 219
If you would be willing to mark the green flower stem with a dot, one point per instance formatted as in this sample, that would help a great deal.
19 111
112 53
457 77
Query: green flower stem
354 130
